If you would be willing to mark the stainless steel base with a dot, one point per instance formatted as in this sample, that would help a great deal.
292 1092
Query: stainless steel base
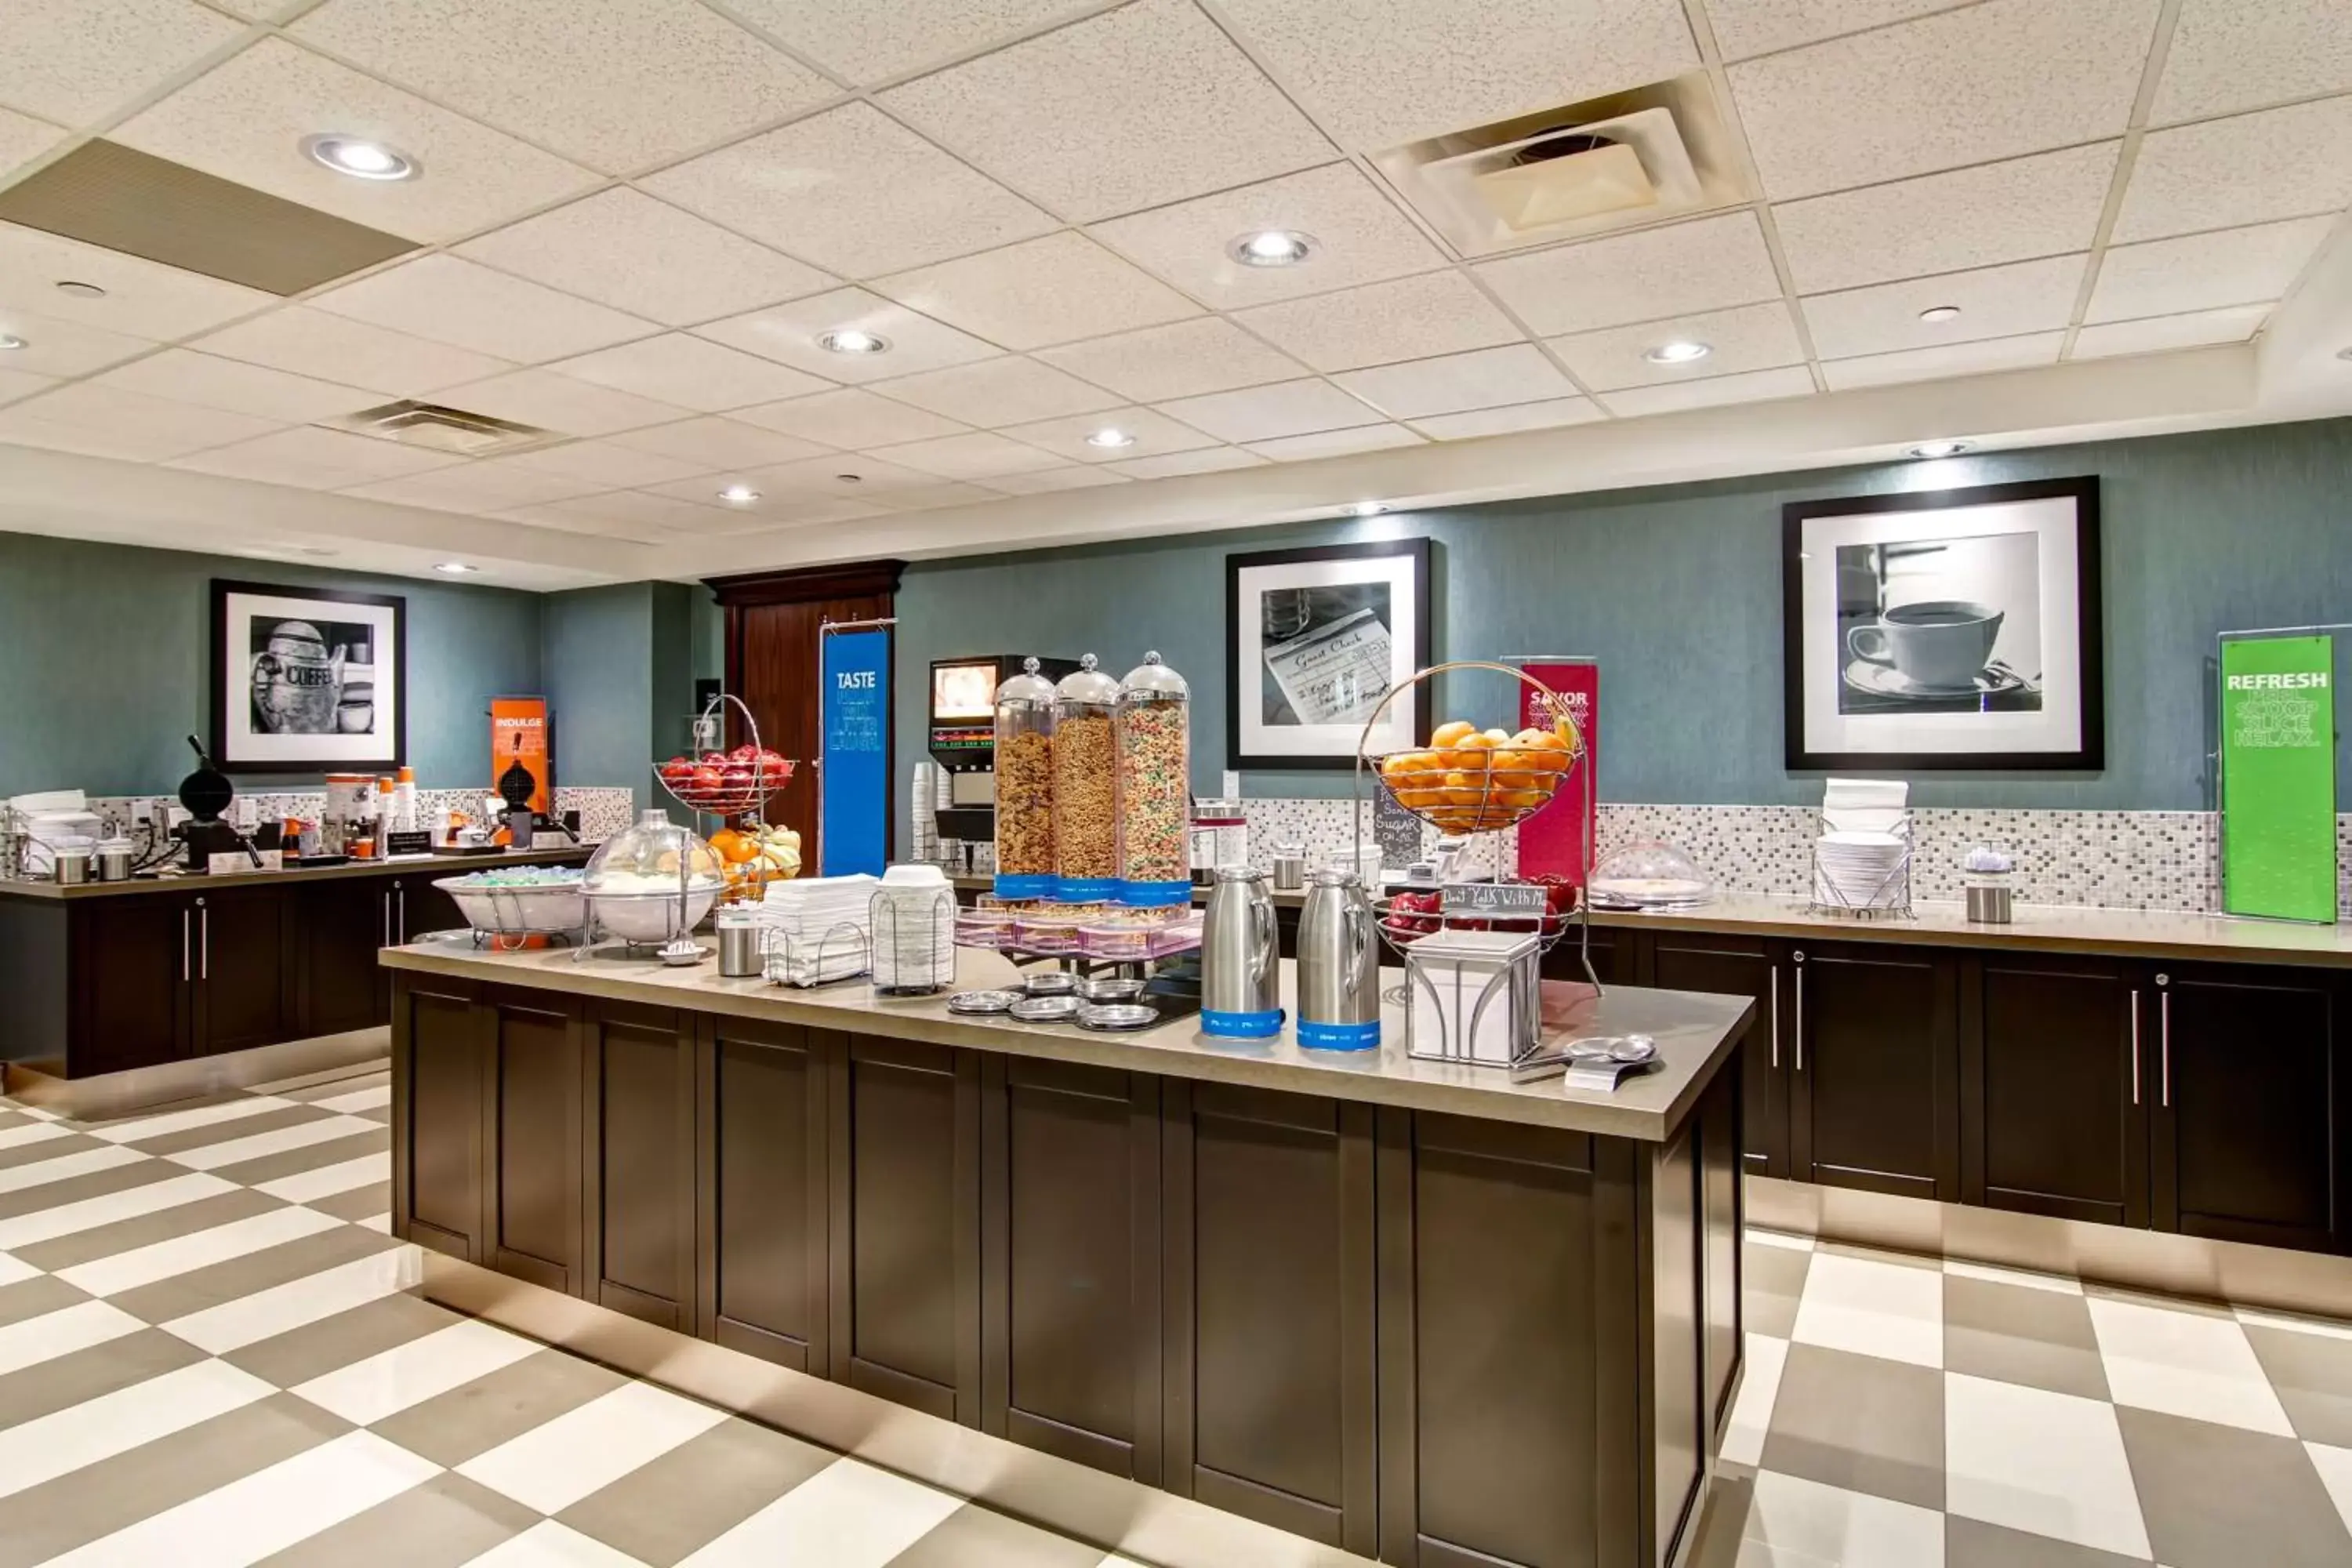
113 1094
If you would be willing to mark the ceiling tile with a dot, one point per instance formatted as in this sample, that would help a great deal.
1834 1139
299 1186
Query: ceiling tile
849 419
73 62
245 122
1359 237
54 347
999 392
316 459
1071 477
1148 103
1756 386
1051 289
2204 272
1379 323
455 301
689 373
1703 265
622 248
1746 27
108 422
846 476
1335 443
1989 81
788 334
17 383
313 342
1208 460
2043 205
1751 337
930 498
2254 168
717 444
2199 328
214 382
795 514
1947 360
558 403
617 85
1450 384
1994 302
864 42
1379 72
1546 415
473 487
24 139
627 514
852 191
1180 361
143 299
603 465
2229 55
1151 432
976 455
1270 413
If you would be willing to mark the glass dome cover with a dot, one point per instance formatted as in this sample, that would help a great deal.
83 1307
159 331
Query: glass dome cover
1088 685
1026 689
645 859
1153 681
1651 875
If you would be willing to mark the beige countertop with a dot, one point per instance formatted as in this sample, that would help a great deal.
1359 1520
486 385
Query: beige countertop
414 864
1695 1034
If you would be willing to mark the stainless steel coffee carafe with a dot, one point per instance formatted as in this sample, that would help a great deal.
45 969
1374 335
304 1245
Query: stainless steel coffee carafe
1240 972
1339 964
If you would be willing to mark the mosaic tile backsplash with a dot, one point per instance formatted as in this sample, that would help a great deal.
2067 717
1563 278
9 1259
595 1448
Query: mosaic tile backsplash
603 811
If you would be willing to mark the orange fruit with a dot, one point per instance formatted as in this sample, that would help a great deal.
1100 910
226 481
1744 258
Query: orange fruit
1420 799
1520 799
1465 788
1396 763
1451 733
1498 737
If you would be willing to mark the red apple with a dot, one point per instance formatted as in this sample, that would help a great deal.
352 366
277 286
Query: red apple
707 779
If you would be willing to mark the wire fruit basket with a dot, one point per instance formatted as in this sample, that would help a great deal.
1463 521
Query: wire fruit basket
734 783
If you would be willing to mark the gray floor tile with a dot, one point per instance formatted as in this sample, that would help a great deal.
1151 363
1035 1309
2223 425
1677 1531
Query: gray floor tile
315 1157
63 1382
12 1117
976 1537
452 1427
32 1298
96 1184
382 1113
1775 1281
169 1107
696 1492
2016 1334
237 1278
123 1235
228 1131
48 1148
1860 1423
360 1203
2312 1376
446 1521
1972 1543
300 1354
2221 1497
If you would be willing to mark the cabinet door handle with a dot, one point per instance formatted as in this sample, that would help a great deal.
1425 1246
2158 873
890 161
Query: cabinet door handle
184 915
204 941
387 919
1798 958
2164 1045
2135 1048
1776 1018
400 929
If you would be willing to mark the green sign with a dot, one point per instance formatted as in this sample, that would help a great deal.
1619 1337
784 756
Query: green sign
2278 777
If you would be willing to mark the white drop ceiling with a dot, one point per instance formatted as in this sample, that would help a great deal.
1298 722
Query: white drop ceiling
636 217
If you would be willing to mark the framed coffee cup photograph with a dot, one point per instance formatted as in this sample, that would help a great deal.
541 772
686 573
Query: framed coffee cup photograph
307 679
1944 629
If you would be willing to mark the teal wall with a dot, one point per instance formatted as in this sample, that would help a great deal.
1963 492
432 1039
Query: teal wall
618 664
1676 590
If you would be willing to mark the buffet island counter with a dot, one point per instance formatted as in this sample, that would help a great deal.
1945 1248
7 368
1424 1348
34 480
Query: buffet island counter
1396 1309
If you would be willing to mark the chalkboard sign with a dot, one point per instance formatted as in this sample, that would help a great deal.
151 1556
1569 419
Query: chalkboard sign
1509 901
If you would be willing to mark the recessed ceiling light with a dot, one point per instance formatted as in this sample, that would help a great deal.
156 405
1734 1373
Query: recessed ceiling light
1682 351
741 495
851 340
1945 448
1110 435
10 341
455 568
1369 507
1940 313
80 289
851 479
359 157
1272 247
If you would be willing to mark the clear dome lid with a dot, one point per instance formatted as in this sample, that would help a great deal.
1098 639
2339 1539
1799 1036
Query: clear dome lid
1087 684
1028 689
646 858
1154 680
1651 875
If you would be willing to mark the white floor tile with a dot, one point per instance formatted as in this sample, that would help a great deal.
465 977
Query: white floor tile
69 1219
367 1391
847 1515
115 1423
64 1167
265 1512
13 1269
359 1099
32 1132
2047 1464
251 1319
381 1223
2023 1278
1807 1520
2335 1466
304 1187
1751 1412
197 1249
2184 1364
181 1120
584 1451
548 1544
69 1329
277 1141
1787 1241
1888 1310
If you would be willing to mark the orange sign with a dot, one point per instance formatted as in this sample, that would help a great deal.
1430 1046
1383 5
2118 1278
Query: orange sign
518 730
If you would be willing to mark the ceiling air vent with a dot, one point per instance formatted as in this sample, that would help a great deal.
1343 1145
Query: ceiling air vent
439 429
1631 158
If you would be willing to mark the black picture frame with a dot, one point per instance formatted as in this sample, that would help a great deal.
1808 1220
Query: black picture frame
231 674
2089 753
1417 550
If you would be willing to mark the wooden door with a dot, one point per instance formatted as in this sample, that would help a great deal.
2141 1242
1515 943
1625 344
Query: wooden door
438 1125
244 983
1739 966
1874 1081
337 929
2253 1106
531 1085
638 1100
133 963
762 1203
2053 1097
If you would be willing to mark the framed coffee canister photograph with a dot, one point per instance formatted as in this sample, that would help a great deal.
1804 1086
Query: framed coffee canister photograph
1313 638
307 679
1944 629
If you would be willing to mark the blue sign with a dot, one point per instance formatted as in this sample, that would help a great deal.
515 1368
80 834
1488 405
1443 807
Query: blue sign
855 807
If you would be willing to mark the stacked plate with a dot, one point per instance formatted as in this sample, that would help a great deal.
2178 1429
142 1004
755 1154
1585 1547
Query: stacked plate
1860 871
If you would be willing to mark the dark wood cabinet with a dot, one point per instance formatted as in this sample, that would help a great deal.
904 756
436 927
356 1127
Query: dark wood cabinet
1874 1079
440 1176
337 928
761 1191
419 908
2053 1104
132 962
638 1107
531 1119
1739 966
243 994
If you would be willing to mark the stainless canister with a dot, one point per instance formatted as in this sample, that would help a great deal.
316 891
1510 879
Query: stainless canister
1339 965
70 866
1240 993
1289 868
114 860
739 956
1990 902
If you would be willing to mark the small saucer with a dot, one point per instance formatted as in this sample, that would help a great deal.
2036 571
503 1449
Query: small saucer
1885 681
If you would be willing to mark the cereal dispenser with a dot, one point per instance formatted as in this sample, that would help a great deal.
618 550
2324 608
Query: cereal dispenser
1155 791
1086 814
1025 785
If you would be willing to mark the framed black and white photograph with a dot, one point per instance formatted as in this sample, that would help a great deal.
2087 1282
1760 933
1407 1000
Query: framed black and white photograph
307 679
1945 629
1313 638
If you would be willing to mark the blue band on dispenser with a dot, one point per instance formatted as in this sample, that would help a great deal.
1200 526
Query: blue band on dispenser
1086 890
1155 895
1242 1025
1027 885
1339 1036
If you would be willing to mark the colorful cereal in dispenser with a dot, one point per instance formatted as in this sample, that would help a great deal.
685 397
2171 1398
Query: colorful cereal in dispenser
1155 819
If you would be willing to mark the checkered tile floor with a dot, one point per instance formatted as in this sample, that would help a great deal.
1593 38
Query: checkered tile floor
207 1360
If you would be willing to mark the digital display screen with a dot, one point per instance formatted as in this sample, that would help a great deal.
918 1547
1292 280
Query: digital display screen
963 690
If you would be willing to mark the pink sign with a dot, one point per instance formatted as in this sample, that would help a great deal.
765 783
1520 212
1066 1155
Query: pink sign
1552 842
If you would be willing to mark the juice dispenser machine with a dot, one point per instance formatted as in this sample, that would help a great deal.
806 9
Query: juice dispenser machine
962 736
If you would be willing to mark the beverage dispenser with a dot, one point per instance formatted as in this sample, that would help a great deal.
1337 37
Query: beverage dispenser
960 735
